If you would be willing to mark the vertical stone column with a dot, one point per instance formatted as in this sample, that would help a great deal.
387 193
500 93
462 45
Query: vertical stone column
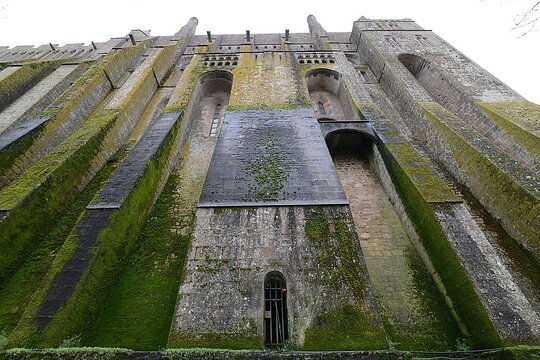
319 35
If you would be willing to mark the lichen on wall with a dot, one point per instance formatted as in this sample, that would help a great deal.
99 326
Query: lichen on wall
509 191
520 120
266 80
314 248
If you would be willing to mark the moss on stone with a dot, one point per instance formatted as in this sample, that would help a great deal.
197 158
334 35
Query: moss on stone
268 171
45 188
143 79
216 341
520 120
29 148
442 255
504 188
24 151
430 186
60 157
317 228
434 328
350 326
184 89
78 87
523 352
286 106
344 328
265 82
18 289
22 79
114 243
36 198
171 109
339 253
10 153
139 309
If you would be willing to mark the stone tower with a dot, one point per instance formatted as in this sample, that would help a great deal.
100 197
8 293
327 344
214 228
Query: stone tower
372 189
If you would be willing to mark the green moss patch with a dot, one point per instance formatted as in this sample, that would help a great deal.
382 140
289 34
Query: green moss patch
17 291
140 308
521 261
277 75
507 190
268 171
343 328
22 79
352 326
442 255
216 341
114 245
434 329
39 195
286 106
520 120
59 157
184 89
79 95
430 186
11 152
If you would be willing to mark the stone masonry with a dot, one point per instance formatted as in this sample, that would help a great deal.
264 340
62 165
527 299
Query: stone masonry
364 190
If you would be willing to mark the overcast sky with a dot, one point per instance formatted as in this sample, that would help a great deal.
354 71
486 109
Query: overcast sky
481 29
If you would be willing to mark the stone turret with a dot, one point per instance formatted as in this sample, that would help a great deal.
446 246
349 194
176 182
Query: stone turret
318 34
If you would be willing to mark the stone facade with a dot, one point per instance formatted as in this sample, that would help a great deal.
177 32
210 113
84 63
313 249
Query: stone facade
367 190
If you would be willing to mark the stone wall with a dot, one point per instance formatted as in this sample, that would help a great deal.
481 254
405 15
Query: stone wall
382 252
234 249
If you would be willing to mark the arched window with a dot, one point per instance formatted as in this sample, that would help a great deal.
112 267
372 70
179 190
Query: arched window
215 120
322 110
276 330
329 96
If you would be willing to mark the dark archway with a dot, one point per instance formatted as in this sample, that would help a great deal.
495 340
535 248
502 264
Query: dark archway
276 328
415 64
350 142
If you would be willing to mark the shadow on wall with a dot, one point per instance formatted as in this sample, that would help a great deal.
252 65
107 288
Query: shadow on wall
444 90
210 100
350 142
328 95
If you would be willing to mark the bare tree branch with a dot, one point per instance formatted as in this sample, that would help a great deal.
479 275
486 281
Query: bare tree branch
527 21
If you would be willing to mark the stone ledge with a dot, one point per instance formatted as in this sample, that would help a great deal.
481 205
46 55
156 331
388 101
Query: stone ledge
518 352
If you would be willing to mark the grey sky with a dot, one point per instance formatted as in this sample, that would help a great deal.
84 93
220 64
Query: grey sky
480 29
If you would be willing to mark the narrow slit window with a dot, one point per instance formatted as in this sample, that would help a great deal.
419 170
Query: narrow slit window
215 121
364 75
322 110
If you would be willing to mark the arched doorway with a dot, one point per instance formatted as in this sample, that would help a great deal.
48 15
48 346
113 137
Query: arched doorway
276 331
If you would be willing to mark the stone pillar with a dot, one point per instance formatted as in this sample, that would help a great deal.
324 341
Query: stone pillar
319 35
189 29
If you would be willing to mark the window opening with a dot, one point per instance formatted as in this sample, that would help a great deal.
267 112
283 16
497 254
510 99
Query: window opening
275 312
215 120
322 110
364 75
